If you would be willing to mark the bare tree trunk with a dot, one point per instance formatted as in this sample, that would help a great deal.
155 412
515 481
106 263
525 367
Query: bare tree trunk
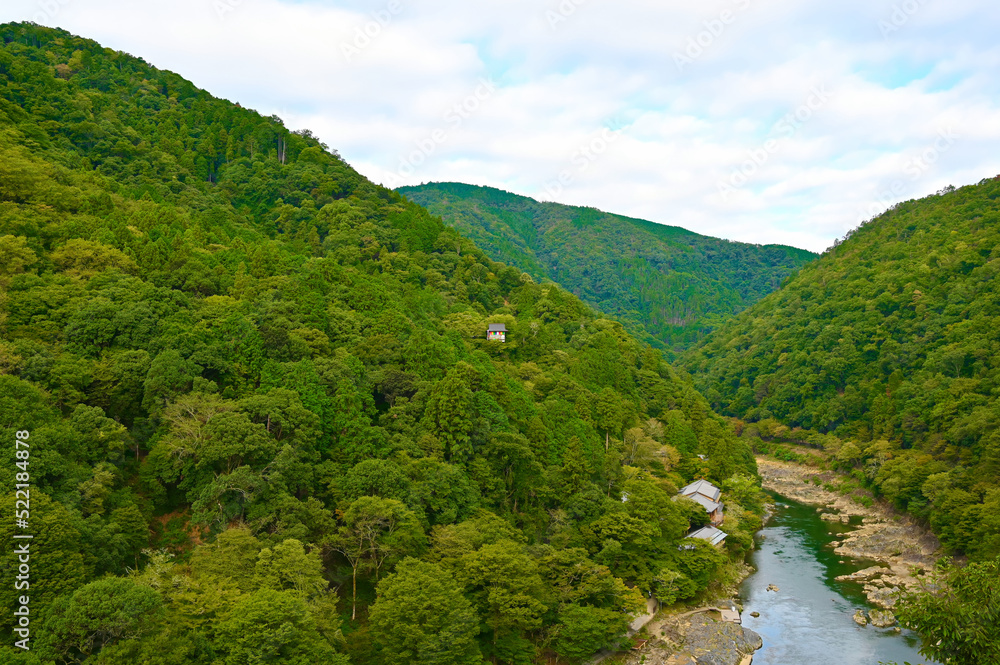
354 597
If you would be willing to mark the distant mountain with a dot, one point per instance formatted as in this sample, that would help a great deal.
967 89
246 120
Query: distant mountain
891 341
669 285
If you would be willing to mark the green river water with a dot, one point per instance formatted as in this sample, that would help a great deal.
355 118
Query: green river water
808 620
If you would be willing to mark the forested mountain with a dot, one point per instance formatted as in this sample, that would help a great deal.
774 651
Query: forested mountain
259 419
668 285
890 342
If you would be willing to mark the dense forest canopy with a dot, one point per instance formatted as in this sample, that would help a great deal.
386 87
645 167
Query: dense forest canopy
264 420
668 285
890 342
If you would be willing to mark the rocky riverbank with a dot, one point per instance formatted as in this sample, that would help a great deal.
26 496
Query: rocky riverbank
693 637
700 638
895 541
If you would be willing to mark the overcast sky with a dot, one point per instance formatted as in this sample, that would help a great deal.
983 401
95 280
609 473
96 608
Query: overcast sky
755 120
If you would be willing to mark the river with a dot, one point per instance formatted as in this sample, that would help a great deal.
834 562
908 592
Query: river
808 620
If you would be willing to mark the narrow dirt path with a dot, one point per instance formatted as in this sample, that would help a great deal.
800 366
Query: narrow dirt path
651 607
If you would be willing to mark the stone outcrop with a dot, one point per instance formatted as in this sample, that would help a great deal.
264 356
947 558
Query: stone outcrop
885 541
884 597
882 618
697 639
863 575
881 587
859 618
720 642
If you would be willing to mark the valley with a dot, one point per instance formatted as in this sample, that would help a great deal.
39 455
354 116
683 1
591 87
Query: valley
278 410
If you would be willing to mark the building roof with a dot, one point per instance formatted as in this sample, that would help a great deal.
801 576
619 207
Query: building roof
709 533
708 504
704 488
497 327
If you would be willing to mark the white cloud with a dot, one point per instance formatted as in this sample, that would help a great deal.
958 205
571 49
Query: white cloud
375 79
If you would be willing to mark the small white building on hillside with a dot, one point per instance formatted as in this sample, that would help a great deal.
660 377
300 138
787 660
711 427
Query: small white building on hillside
497 332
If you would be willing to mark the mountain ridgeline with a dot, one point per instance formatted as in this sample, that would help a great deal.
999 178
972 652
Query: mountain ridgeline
888 350
261 419
669 286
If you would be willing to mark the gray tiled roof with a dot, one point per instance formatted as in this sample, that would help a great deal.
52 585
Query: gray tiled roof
704 488
709 505
709 533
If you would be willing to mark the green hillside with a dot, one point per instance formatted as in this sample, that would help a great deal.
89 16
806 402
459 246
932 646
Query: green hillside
668 285
891 341
250 395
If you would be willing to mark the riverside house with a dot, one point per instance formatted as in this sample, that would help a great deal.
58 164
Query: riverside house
707 494
709 533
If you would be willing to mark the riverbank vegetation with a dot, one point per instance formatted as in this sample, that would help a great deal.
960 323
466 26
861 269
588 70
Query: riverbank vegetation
956 610
264 419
